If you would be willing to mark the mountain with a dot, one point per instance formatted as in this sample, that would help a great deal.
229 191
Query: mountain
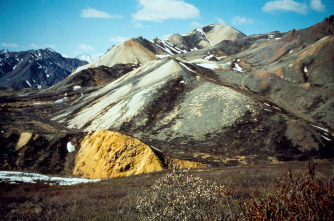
88 58
140 50
34 68
92 77
264 98
199 38
134 50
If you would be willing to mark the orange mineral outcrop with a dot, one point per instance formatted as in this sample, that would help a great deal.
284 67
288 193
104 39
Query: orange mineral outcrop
107 154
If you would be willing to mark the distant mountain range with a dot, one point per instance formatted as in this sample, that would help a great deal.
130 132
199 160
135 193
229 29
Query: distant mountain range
44 67
140 50
87 57
35 68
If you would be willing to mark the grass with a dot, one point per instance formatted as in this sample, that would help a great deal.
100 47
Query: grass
117 199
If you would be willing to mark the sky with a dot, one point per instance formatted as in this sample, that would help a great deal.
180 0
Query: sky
75 27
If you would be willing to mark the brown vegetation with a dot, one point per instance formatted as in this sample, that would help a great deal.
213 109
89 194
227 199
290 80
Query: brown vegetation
117 199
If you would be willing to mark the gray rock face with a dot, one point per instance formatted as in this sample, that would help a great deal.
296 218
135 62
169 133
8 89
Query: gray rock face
35 68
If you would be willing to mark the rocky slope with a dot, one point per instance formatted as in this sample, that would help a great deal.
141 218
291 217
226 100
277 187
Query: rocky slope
90 78
135 51
252 99
34 68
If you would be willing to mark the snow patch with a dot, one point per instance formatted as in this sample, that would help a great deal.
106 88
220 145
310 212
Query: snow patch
186 67
171 47
271 36
209 57
203 33
87 57
162 56
319 128
237 68
305 70
165 49
290 51
60 101
70 147
21 177
326 138
28 83
75 88
222 57
209 66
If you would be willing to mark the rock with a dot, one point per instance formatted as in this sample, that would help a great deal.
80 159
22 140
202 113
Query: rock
24 139
106 154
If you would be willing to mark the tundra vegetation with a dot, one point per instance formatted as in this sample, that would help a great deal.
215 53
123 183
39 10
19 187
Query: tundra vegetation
252 192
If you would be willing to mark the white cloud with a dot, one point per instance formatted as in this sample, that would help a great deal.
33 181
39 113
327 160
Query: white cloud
196 24
159 10
220 20
93 13
117 39
238 20
9 45
285 5
317 5
33 45
85 47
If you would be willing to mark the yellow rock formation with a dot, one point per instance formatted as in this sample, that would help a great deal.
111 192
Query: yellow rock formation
180 163
106 154
23 140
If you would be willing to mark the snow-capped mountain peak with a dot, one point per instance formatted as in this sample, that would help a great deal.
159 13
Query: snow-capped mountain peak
88 58
40 68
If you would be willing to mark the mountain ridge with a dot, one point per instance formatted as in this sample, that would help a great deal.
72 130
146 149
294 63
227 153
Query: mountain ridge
40 68
141 50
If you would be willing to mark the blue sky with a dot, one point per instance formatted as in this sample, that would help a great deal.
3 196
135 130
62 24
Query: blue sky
74 27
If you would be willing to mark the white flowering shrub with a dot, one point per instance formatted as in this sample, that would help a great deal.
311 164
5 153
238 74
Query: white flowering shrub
180 196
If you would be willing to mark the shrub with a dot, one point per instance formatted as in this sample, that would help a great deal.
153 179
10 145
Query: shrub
296 198
180 196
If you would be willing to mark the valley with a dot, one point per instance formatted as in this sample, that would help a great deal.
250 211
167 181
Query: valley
213 100
241 100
